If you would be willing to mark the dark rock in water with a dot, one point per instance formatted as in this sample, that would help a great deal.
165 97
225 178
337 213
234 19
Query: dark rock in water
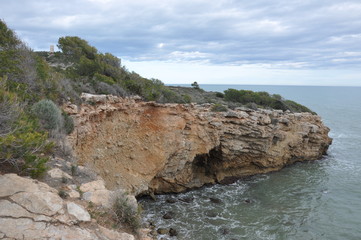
215 200
171 200
224 231
248 200
151 225
152 196
187 199
168 215
229 180
173 232
211 214
162 231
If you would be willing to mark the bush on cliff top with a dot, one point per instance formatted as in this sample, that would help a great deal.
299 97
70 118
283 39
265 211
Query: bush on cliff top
24 79
49 114
92 68
219 108
263 99
23 146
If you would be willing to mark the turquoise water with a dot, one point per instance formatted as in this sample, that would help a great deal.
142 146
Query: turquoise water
313 200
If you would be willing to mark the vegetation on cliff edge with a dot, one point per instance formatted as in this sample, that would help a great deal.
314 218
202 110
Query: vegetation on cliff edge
34 84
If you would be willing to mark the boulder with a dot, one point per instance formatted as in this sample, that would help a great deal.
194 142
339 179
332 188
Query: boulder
40 202
58 174
78 212
32 210
96 193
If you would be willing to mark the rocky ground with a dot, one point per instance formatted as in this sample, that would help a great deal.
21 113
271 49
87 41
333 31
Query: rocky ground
73 204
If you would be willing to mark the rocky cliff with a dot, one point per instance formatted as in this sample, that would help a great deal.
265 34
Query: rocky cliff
149 147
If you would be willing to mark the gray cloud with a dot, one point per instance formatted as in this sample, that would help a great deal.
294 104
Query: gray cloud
289 34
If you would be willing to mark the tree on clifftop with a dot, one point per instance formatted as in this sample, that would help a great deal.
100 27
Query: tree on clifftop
195 85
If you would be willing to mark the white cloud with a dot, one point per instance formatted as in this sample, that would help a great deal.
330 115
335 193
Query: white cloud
269 25
259 34
187 56
186 73
345 38
160 45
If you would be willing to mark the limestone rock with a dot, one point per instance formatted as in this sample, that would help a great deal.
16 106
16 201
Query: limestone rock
9 209
12 183
45 203
71 108
93 98
33 210
96 193
92 186
231 114
99 197
78 212
58 173
113 235
175 147
72 191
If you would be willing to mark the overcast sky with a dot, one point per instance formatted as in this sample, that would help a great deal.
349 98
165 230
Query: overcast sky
293 42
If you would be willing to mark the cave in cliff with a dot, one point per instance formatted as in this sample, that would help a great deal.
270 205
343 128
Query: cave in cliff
206 164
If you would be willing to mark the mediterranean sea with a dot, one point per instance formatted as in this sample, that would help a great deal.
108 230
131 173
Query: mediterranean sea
311 200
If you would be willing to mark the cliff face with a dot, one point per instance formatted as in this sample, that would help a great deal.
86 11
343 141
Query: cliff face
144 146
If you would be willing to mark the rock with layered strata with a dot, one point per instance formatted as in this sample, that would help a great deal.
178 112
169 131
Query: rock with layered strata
32 210
145 146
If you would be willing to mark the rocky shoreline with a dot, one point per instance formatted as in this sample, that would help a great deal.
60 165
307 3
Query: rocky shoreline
125 145
146 147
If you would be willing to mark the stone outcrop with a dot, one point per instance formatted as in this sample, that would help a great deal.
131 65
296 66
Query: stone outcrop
32 210
144 146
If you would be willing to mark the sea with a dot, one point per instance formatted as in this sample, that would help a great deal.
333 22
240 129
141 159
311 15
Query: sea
310 200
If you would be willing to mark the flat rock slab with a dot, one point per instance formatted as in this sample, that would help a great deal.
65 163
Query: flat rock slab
30 209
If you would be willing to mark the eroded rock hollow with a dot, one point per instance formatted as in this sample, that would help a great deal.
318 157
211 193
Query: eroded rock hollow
148 147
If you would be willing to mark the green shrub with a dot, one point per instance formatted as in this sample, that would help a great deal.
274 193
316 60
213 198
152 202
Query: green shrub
127 214
219 108
74 170
25 148
252 106
68 123
296 107
102 78
263 99
219 94
35 166
187 98
63 194
49 114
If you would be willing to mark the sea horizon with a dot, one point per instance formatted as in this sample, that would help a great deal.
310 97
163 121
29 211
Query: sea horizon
279 85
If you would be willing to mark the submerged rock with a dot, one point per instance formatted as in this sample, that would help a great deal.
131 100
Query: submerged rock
224 230
215 200
173 232
162 231
187 199
248 200
211 214
168 215
171 200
